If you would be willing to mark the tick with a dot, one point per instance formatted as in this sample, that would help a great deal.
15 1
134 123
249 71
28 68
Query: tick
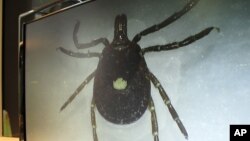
121 91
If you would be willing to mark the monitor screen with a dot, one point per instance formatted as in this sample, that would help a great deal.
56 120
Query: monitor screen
138 70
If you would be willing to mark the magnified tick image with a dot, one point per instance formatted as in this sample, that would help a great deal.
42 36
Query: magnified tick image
141 70
122 90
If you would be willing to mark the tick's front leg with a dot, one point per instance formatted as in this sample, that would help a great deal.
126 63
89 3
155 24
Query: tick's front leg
78 54
182 43
90 44
166 22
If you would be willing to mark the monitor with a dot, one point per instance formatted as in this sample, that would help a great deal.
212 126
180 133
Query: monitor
137 70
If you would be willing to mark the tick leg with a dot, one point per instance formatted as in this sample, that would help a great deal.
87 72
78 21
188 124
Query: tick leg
78 54
182 43
87 45
153 120
93 120
167 21
77 91
167 101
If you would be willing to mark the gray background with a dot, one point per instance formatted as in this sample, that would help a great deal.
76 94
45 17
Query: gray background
207 81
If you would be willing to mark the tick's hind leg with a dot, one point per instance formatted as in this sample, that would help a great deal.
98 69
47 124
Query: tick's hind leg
167 101
77 91
93 120
153 120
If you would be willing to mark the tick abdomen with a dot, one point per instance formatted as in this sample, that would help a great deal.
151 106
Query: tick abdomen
121 90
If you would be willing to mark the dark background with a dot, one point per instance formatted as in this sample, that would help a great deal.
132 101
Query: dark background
11 11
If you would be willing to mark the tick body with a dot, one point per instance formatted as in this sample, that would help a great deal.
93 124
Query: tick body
122 80
121 90
125 105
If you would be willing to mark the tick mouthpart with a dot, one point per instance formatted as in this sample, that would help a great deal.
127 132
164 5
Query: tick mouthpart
120 30
120 25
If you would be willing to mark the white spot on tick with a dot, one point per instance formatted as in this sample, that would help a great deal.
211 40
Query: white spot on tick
120 84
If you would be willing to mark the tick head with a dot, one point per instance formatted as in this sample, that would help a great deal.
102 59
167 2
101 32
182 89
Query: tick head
120 31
